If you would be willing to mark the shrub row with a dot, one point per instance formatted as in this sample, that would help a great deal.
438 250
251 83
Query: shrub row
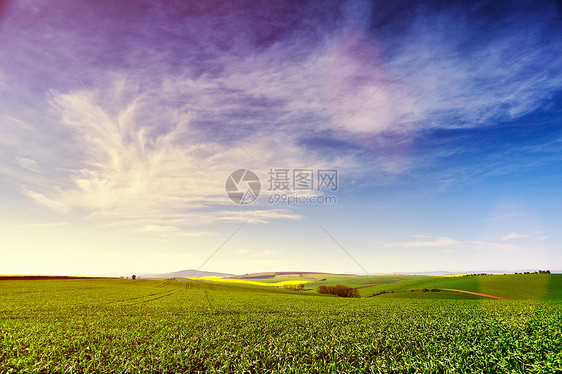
294 287
339 290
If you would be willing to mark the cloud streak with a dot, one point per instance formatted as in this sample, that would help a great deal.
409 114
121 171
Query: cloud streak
452 245
139 149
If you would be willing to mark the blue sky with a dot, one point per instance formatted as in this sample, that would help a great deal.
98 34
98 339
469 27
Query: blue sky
121 122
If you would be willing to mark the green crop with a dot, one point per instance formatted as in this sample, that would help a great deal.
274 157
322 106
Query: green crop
112 325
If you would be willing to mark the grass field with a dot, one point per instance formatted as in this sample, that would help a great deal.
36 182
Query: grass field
184 326
365 280
511 286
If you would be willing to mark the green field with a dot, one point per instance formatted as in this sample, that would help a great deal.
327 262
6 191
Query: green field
511 286
430 295
108 325
364 280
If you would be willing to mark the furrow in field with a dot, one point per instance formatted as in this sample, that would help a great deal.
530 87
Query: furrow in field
141 297
475 293
167 294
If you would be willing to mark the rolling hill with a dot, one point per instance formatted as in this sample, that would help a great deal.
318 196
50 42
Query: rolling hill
191 273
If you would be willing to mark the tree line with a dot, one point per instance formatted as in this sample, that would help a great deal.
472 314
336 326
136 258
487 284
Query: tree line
339 290
536 272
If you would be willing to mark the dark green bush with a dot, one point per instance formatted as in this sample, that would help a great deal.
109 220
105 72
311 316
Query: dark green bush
339 290
294 287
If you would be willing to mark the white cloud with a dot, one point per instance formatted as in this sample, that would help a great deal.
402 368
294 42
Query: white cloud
170 231
452 85
28 163
40 198
133 170
513 235
452 245
539 235
437 242
46 224
264 253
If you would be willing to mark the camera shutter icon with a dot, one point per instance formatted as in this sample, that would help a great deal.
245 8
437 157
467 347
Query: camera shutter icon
243 186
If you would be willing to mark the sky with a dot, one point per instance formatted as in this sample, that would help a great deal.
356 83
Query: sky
383 136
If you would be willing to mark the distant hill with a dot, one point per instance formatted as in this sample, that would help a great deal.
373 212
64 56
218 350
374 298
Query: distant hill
282 274
188 273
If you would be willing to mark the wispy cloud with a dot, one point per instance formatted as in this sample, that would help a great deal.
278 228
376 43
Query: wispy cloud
512 235
46 224
449 244
170 230
539 235
264 253
428 242
135 169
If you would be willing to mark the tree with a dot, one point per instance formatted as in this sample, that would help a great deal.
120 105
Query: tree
294 287
339 290
134 276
